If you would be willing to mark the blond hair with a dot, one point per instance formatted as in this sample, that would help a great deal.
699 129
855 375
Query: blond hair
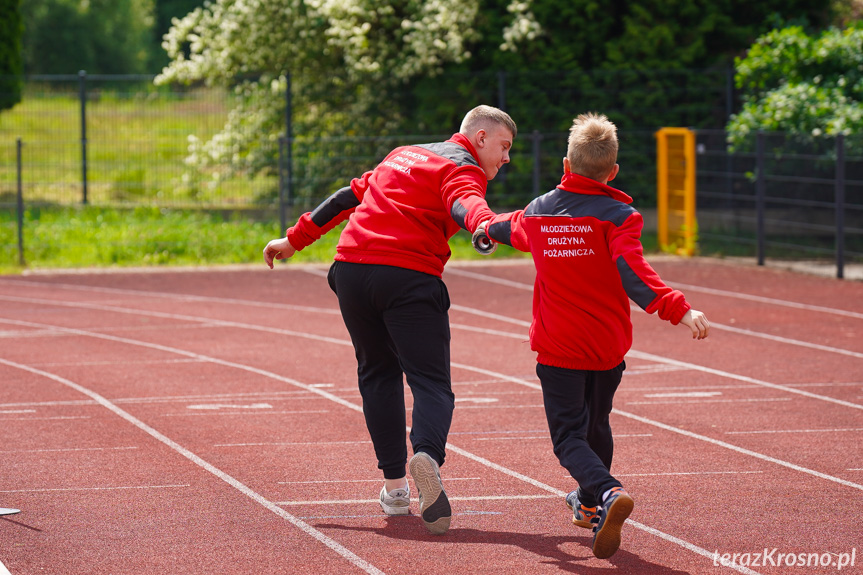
484 117
592 146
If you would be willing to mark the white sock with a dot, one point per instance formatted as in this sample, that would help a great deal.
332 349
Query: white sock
605 495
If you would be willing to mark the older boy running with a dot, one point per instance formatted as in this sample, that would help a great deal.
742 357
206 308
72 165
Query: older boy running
387 276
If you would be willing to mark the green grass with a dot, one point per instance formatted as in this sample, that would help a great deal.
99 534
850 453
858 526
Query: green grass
137 145
83 237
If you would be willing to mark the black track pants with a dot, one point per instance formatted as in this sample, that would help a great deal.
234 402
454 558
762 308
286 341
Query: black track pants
399 324
577 405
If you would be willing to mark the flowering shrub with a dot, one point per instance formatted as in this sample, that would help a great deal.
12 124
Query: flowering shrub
346 60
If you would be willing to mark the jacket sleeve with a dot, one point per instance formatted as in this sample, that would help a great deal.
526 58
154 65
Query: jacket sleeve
463 192
330 213
509 229
642 284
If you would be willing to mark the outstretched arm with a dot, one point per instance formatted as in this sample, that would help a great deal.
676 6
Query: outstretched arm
697 323
312 225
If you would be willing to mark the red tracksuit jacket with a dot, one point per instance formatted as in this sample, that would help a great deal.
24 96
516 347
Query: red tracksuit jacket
404 211
586 246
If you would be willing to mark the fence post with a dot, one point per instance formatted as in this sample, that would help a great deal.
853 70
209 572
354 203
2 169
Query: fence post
82 95
20 194
537 161
287 199
760 191
840 206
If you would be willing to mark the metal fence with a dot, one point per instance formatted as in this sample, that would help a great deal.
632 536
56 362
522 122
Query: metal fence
782 197
121 141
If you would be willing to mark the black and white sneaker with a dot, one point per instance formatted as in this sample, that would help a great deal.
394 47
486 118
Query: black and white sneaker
606 535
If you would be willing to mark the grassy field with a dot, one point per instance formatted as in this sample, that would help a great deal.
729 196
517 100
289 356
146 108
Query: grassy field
137 144
81 237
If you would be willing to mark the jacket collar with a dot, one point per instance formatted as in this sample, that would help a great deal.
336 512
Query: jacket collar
581 185
465 142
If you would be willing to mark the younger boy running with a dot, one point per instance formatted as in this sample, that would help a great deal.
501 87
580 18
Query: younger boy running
585 241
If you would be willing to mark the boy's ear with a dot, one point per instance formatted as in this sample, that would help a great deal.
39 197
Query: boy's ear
614 172
567 168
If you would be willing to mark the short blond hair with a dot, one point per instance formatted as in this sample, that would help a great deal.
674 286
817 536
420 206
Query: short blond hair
592 146
484 117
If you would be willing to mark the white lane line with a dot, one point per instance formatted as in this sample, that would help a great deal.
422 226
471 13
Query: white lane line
706 401
714 325
112 488
683 473
837 430
632 353
3 570
292 443
375 480
685 544
547 438
684 394
175 296
787 340
742 450
63 417
68 449
375 501
692 435
768 300
196 319
724 374
218 413
241 487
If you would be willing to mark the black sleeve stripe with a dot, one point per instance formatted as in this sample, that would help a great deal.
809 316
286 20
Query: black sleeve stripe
458 213
501 232
342 200
637 290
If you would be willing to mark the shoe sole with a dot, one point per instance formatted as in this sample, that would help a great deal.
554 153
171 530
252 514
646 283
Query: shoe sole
434 505
607 540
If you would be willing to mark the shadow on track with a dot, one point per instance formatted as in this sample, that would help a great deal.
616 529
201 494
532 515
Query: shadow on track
549 548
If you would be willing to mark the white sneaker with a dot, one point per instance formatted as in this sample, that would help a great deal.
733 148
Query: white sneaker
397 501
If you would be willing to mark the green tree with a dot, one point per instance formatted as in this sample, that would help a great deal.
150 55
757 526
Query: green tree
100 36
806 85
10 53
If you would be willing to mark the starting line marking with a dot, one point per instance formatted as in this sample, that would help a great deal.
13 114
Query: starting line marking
374 501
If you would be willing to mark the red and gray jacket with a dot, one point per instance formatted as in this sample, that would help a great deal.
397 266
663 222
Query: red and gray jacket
585 241
404 211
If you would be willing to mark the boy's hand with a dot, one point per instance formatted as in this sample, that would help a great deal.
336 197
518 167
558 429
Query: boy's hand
280 249
697 322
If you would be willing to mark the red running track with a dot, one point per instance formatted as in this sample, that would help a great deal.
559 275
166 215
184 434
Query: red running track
208 422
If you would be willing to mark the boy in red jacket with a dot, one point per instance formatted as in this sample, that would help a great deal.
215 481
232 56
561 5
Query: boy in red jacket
387 277
585 241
